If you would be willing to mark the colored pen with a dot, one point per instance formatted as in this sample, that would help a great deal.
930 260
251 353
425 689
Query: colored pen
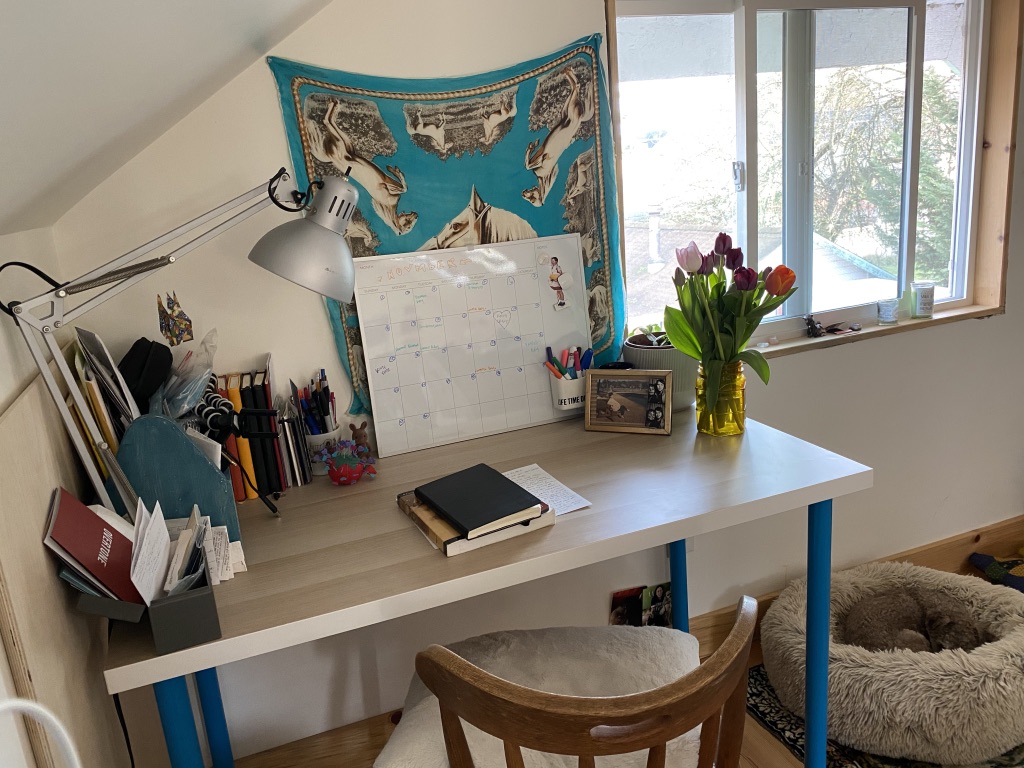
334 411
588 358
548 349
578 359
565 357
559 366
554 371
311 424
570 363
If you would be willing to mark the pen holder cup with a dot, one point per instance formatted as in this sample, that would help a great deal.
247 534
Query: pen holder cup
569 394
317 444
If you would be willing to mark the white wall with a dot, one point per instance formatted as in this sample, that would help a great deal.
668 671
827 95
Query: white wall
933 411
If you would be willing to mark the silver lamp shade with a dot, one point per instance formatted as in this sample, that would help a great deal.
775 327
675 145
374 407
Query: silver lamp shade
312 251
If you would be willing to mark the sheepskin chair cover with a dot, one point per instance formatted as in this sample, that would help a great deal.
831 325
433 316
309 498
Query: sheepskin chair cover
951 707
577 661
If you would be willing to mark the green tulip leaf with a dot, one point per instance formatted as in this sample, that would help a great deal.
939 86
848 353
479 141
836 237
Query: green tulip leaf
742 332
728 345
757 363
733 302
680 333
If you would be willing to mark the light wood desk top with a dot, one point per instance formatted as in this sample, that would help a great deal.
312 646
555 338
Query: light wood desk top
343 558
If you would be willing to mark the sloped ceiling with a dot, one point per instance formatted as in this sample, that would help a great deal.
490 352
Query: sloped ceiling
87 84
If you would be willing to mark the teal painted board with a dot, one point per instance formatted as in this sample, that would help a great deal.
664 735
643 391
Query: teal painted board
164 465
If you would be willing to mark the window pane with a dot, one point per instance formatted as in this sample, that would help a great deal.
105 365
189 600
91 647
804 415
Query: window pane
860 83
945 24
677 108
770 40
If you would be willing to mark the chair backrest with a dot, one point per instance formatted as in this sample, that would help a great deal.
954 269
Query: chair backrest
713 695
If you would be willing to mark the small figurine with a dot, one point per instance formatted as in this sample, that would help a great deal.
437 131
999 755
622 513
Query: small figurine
359 436
814 328
347 462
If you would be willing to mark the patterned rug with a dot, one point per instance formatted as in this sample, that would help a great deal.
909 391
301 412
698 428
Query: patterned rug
765 707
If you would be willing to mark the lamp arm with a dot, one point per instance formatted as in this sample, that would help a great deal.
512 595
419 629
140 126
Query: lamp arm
119 274
123 274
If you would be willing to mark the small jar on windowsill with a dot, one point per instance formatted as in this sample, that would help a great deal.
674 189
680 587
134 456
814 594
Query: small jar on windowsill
888 311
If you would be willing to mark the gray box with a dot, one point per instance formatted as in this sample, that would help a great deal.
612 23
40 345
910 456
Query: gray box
177 621
181 621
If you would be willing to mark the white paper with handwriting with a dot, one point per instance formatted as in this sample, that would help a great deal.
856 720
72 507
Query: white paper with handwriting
546 488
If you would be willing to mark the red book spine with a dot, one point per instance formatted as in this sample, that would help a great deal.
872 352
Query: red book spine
237 486
95 545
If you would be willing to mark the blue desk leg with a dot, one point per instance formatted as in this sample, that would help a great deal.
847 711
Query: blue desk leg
819 575
178 724
213 718
677 573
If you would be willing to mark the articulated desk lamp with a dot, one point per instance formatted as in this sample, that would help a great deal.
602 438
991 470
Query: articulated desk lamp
311 252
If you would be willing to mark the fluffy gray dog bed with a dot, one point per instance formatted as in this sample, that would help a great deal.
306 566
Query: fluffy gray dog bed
951 707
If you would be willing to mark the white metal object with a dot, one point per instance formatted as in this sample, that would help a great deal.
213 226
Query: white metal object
50 723
42 315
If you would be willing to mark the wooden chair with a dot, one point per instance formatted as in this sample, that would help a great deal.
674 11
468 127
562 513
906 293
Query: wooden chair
713 696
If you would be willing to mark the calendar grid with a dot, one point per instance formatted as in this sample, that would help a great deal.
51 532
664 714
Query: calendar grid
457 352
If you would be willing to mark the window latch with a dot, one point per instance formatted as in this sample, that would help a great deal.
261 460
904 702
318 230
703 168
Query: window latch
739 175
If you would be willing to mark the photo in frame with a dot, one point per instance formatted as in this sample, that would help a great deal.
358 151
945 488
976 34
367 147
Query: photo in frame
629 401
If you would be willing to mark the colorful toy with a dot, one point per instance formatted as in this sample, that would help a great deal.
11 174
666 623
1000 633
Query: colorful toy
347 462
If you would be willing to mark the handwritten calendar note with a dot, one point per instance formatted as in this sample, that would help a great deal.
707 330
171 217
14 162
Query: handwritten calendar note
455 340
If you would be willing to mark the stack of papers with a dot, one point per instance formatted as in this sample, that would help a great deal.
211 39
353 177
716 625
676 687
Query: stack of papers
170 556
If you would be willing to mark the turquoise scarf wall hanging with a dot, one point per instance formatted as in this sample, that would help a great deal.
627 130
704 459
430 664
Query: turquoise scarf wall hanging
517 153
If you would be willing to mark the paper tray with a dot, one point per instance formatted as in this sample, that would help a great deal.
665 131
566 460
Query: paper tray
177 621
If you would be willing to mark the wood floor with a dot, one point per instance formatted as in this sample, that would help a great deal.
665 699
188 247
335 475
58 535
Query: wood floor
357 745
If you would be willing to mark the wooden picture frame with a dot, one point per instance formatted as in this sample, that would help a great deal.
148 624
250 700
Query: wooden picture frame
633 400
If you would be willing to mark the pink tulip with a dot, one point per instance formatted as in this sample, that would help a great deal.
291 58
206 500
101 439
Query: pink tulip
689 258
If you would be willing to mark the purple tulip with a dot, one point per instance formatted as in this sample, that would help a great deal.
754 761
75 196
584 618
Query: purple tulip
707 265
745 278
765 272
679 277
722 243
689 258
733 258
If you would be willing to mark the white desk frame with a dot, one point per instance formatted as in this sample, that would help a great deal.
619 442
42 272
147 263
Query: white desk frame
343 558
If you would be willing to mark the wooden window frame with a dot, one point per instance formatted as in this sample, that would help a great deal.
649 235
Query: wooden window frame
994 180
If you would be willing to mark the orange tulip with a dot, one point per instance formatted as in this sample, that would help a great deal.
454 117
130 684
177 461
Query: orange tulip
779 280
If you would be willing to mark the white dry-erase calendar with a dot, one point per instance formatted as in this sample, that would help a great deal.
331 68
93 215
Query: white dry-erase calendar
455 340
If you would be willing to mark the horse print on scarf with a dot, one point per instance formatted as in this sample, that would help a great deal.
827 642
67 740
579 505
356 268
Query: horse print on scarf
519 153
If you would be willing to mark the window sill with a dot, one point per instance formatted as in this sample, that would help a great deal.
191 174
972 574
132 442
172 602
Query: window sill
792 346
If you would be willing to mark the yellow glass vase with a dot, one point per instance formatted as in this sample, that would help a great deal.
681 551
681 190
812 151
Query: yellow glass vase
728 417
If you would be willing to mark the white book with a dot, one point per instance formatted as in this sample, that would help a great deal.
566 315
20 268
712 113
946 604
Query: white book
459 546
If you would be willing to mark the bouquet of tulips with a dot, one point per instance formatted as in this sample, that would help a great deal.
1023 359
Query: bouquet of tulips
719 310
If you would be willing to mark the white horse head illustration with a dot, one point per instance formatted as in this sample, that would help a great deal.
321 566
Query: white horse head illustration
480 223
